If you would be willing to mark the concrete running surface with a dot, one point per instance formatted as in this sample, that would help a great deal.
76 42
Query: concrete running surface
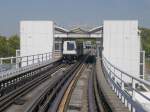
79 101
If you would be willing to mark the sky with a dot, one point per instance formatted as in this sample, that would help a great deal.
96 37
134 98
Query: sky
68 13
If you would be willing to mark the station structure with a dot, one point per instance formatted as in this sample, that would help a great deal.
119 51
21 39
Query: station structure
120 41
86 35
118 50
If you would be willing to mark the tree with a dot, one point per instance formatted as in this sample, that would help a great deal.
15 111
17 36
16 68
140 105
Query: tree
13 44
145 40
3 46
8 46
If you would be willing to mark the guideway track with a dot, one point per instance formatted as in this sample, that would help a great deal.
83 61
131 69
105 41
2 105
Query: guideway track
61 99
12 96
95 103
56 96
95 98
41 103
108 96
50 99
20 78
67 95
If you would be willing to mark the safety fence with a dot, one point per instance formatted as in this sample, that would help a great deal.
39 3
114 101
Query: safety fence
22 61
132 91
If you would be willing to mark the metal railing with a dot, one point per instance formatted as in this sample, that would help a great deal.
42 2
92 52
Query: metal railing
132 91
26 60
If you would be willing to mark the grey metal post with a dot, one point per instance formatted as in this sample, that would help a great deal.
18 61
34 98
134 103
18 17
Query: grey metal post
11 60
42 57
16 62
122 87
49 56
33 60
38 59
21 62
46 56
133 92
1 60
27 61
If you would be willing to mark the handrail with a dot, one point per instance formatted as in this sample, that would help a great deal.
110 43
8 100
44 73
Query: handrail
22 61
115 77
23 56
138 79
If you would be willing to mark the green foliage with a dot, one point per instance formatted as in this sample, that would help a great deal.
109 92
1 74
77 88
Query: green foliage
145 40
13 45
8 46
3 46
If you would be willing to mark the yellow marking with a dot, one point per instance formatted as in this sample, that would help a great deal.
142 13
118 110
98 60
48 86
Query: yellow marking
65 97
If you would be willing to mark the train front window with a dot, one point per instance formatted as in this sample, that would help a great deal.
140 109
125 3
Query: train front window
70 46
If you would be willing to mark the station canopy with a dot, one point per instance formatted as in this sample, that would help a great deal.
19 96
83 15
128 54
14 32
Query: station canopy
78 32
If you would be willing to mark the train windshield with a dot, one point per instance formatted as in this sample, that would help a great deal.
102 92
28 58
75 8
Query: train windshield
70 46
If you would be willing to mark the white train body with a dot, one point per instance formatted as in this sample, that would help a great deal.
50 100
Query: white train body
69 48
72 50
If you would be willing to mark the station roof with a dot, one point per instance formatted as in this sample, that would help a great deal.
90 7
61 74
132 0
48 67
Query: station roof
78 30
61 29
96 29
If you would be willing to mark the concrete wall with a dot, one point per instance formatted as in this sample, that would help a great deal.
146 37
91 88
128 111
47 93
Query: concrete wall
122 45
36 37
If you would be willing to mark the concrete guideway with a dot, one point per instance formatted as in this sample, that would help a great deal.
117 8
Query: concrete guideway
83 94
30 97
125 56
89 91
78 101
15 96
111 98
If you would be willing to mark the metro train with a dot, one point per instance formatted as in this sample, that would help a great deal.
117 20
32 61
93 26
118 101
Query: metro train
72 50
